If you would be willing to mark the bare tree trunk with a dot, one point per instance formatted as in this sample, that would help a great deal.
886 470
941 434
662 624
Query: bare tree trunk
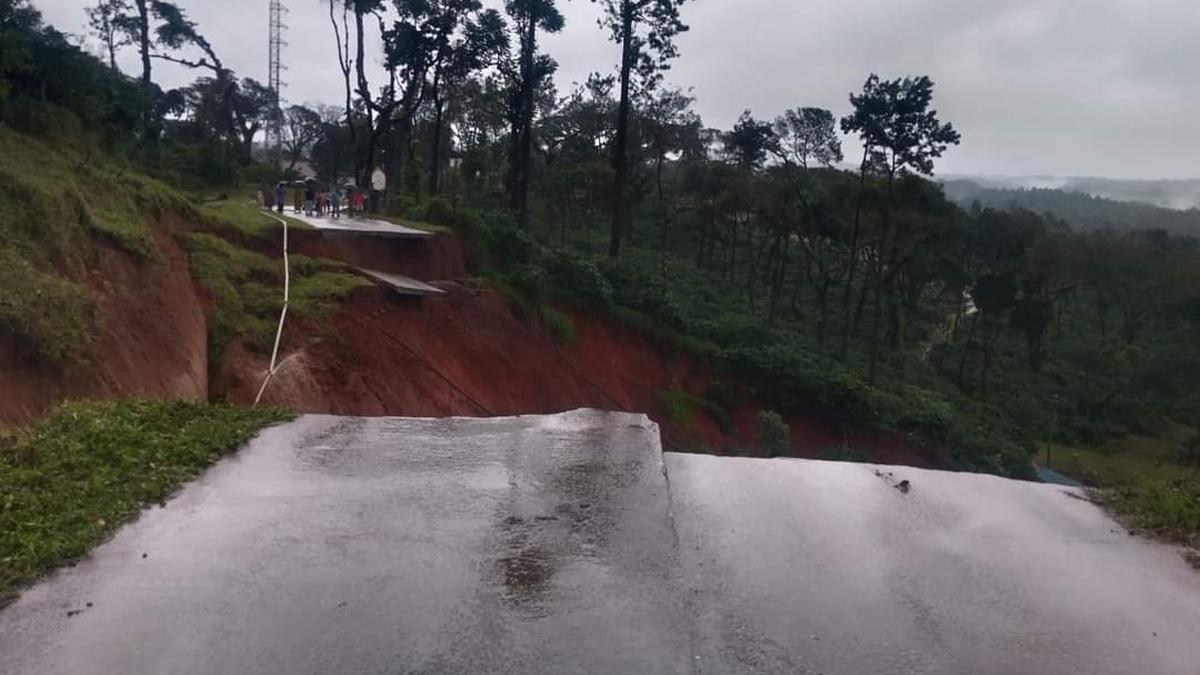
148 131
435 168
852 261
822 313
367 166
620 221
525 140
885 252
662 216
344 63
962 362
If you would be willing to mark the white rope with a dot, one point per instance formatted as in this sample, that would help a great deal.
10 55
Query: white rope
287 289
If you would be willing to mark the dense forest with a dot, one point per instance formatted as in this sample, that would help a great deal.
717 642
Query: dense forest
868 294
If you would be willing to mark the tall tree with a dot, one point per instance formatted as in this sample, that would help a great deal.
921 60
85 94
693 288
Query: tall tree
894 119
135 25
748 143
302 128
341 34
646 31
808 134
672 125
104 21
468 41
176 32
18 21
253 105
529 17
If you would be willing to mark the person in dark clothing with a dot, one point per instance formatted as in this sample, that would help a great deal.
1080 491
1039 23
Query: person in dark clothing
310 198
280 197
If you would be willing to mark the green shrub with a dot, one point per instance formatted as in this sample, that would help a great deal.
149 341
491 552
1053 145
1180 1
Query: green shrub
634 287
510 246
774 435
530 280
682 409
48 318
840 454
558 325
579 279
439 212
1168 508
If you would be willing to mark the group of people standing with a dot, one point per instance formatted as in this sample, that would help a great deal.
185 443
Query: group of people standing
308 198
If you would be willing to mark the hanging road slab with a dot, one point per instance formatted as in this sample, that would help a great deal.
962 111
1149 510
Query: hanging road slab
402 284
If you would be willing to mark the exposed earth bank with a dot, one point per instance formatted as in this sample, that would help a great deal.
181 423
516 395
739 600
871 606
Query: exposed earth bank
466 353
149 338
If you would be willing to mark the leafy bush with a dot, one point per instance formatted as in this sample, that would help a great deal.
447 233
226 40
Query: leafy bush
634 287
48 318
579 279
558 325
510 246
439 212
774 435
530 280
682 409
840 454
1166 508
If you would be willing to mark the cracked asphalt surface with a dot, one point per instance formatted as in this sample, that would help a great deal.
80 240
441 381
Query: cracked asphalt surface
571 544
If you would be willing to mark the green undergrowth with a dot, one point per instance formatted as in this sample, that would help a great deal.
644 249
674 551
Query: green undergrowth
1167 508
683 409
45 316
556 324
1151 483
58 203
70 480
247 290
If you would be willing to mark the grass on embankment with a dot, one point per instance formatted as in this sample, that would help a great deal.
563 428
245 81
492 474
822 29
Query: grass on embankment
247 290
70 480
59 202
243 212
1143 481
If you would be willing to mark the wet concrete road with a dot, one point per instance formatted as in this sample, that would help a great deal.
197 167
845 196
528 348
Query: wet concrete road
822 567
332 545
560 545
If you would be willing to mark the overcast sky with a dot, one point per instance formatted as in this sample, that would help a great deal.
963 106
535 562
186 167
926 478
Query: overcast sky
1066 87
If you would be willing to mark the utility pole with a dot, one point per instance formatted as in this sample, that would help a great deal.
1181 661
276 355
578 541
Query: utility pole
274 83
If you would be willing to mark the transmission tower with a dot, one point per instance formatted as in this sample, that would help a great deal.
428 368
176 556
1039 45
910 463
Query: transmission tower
274 83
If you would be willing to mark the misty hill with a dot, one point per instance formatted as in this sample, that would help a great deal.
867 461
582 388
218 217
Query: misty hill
1083 210
1167 193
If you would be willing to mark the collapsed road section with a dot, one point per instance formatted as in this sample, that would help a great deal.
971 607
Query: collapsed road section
571 544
